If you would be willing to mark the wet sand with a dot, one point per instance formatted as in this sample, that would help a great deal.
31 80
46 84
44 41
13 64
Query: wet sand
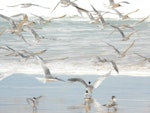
132 94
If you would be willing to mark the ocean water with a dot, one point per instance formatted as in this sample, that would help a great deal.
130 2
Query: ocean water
72 46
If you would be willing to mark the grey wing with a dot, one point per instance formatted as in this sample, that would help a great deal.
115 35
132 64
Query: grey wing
120 14
36 36
124 2
56 6
114 48
78 80
22 37
29 101
121 32
5 17
101 79
128 47
46 70
37 98
14 5
115 66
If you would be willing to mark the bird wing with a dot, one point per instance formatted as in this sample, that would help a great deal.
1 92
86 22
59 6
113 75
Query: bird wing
142 20
114 48
114 66
99 15
56 6
121 32
14 5
11 21
124 2
46 70
30 101
78 80
40 6
39 97
128 36
36 36
132 12
101 79
123 54
119 14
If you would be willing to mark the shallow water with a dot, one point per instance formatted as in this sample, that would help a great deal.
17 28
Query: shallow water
132 94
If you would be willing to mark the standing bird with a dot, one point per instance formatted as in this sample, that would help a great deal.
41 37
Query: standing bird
112 103
34 102
89 86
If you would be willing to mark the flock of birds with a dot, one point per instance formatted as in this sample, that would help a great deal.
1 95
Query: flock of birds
95 16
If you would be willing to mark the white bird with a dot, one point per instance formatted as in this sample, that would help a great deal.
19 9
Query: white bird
122 54
125 37
36 35
47 74
112 103
34 102
25 5
65 3
126 15
100 18
89 86
87 95
112 4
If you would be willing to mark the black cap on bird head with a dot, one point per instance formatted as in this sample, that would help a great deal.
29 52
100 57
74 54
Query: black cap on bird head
34 97
113 97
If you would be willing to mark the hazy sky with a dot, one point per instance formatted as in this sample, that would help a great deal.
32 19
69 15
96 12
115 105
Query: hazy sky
142 5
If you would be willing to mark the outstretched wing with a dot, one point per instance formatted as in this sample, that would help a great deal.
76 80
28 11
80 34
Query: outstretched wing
101 79
29 101
44 67
114 66
78 80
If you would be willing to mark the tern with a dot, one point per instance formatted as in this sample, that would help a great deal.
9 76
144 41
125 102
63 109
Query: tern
122 54
112 103
112 4
100 18
34 102
125 37
47 74
36 35
89 86
66 3
25 5
126 15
